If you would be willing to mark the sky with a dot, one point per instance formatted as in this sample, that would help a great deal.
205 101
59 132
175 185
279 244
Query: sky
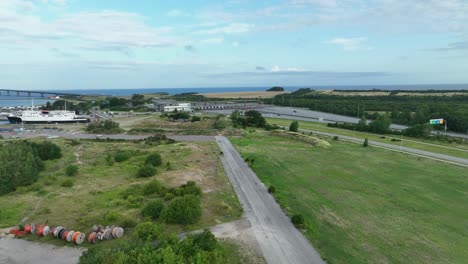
105 44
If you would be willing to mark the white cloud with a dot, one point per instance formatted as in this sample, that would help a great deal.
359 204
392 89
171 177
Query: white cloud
21 26
235 44
232 28
176 13
212 41
323 3
276 68
348 44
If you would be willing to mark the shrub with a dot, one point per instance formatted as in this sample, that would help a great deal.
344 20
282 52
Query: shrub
336 138
109 160
195 119
154 159
105 127
47 150
71 170
154 187
112 216
205 240
298 220
126 222
153 209
19 166
366 142
67 183
146 171
183 210
121 156
134 201
220 124
147 231
294 127
74 142
189 188
272 189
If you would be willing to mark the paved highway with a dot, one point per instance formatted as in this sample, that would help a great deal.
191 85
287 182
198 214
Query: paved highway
279 240
302 114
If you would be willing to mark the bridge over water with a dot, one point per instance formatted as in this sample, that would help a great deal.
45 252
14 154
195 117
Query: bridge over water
30 93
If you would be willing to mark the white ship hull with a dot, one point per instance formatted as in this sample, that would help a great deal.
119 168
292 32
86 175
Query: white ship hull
44 116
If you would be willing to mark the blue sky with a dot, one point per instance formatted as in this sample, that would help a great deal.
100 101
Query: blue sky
87 44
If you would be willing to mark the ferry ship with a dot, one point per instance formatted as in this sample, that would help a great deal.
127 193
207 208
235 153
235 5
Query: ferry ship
45 116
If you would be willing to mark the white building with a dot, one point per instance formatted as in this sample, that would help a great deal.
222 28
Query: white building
186 107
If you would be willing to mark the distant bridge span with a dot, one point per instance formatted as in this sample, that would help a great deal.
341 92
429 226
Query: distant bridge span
30 93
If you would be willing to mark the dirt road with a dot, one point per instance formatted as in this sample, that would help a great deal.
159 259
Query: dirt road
279 240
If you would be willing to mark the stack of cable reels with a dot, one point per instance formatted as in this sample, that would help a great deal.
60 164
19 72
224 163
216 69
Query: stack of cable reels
105 233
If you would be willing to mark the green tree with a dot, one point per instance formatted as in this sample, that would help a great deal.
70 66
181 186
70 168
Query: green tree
418 130
294 127
183 210
19 166
254 118
154 159
366 142
381 124
138 100
362 124
236 118
47 150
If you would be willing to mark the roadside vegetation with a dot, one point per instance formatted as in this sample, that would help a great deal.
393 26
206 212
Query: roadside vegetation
364 205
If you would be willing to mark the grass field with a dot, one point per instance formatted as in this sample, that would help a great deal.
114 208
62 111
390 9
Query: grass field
367 205
453 149
96 194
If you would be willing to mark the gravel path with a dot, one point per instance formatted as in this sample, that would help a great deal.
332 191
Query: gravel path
279 240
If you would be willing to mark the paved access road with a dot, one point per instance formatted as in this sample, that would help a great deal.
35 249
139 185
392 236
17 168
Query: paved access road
19 251
428 154
279 240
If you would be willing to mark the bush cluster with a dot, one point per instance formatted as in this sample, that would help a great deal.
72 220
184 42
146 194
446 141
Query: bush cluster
20 165
195 248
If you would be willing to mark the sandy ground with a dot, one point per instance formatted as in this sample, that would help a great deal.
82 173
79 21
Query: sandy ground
18 251
243 94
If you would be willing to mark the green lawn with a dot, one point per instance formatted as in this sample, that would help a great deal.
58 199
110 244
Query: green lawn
367 205
453 149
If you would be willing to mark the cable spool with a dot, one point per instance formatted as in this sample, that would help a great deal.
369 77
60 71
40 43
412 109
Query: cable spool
46 231
80 238
70 235
92 238
118 232
57 230
61 232
75 235
65 234
40 230
107 234
27 229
